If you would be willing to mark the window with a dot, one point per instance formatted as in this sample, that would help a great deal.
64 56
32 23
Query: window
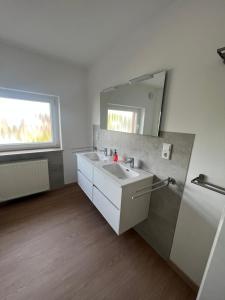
28 120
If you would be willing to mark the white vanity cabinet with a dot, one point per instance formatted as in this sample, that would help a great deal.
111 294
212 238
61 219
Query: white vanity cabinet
85 184
85 175
85 167
109 211
108 187
118 207
122 202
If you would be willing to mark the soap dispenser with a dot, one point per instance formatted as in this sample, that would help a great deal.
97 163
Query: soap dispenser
115 156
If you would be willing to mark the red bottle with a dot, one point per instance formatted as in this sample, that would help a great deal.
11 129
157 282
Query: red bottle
115 156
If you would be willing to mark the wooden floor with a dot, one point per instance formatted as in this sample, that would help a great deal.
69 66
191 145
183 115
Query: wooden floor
57 246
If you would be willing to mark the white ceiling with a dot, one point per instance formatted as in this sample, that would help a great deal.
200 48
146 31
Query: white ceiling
75 30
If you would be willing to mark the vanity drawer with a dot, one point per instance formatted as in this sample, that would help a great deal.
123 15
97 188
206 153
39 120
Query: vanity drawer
85 167
112 191
107 209
85 184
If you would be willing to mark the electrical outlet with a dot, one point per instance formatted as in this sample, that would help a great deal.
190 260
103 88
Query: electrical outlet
166 151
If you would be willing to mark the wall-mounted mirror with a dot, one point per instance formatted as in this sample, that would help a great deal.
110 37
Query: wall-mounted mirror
134 107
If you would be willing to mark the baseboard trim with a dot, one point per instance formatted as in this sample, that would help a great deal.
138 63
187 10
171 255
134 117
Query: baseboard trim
185 278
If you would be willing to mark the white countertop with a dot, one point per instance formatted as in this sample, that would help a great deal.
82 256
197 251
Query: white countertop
142 174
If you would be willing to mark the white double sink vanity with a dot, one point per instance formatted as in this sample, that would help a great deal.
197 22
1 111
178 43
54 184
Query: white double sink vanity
117 191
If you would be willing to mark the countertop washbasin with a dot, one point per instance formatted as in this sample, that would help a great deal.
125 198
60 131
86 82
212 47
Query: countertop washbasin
93 156
120 171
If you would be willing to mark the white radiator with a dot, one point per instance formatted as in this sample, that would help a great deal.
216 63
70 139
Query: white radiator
23 178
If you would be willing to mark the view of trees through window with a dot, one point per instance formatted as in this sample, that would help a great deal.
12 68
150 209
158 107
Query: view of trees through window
120 120
24 121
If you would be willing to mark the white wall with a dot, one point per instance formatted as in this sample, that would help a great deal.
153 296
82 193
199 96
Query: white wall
20 69
183 39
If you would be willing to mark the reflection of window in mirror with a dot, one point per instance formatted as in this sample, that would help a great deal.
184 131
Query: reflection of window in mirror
119 120
125 118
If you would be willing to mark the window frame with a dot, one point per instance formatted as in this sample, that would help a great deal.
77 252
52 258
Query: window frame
54 102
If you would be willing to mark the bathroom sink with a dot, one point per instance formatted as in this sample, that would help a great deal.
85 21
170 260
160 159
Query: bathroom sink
93 156
96 156
123 175
120 171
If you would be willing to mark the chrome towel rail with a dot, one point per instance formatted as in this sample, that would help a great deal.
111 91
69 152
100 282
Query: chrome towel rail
154 187
200 180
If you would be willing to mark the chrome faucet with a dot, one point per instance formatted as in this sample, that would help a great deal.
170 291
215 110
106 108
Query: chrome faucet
104 150
130 160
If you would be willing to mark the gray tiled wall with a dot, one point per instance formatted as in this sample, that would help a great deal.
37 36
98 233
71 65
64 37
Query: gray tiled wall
158 229
55 165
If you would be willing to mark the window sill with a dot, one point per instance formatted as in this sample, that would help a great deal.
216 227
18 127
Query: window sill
18 152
